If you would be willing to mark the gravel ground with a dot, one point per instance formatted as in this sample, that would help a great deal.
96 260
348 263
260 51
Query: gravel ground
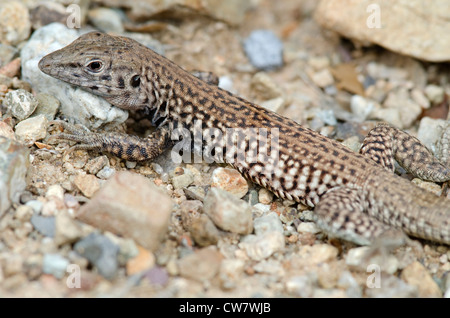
84 224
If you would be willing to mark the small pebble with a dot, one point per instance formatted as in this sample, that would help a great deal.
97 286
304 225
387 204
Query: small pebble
107 20
7 53
226 83
228 212
47 106
56 191
106 173
308 227
183 180
143 261
418 96
259 247
94 165
202 265
358 257
204 232
352 143
319 62
11 69
230 272
302 285
55 264
434 93
315 255
323 78
23 213
389 115
31 129
101 252
409 110
130 164
157 276
35 205
70 201
417 275
274 105
264 50
21 103
361 107
267 223
264 86
13 265
88 184
67 230
44 225
430 131
265 196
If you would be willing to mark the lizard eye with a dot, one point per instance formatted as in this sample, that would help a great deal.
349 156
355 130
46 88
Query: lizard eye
135 81
95 66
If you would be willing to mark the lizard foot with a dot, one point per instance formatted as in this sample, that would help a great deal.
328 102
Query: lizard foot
87 139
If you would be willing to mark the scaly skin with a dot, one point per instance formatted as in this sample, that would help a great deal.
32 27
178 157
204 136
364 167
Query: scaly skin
356 196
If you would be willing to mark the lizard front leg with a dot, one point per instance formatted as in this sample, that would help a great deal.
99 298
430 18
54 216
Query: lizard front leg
385 143
126 147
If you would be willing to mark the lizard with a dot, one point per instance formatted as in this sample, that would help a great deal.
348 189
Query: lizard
356 196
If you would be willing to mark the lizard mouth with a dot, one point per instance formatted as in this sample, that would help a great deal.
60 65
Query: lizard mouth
44 65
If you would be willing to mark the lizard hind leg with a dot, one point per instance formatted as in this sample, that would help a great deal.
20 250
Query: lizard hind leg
341 213
385 143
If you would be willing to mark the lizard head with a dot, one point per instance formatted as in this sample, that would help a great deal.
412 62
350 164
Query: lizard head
105 65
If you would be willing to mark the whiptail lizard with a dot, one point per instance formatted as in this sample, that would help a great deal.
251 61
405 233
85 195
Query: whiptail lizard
357 197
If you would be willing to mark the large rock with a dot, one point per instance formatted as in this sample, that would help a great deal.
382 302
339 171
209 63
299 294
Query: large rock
130 205
230 11
14 162
416 28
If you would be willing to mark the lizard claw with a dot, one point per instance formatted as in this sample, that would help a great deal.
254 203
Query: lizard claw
87 139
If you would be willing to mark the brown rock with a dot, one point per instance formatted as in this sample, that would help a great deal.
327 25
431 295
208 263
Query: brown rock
11 69
6 131
131 206
67 230
190 210
48 12
230 180
87 183
417 275
383 23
